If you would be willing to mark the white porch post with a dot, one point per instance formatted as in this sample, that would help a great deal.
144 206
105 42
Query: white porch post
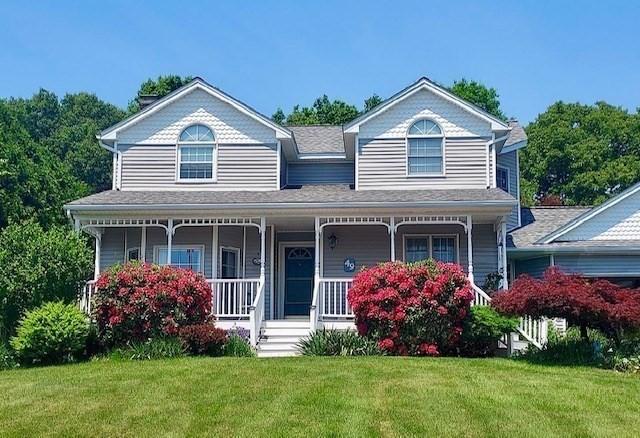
505 274
392 232
470 248
96 269
316 262
143 244
214 252
263 247
169 240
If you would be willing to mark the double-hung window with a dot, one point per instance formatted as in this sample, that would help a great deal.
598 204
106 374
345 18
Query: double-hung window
425 149
185 257
229 262
438 247
502 178
196 154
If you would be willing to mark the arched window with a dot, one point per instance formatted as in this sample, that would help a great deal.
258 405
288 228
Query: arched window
425 149
196 147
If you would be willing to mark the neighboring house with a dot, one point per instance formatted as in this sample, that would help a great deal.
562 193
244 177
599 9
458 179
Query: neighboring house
599 242
279 219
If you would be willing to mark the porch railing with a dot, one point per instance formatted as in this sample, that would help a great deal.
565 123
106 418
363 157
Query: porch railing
232 298
332 298
256 313
86 296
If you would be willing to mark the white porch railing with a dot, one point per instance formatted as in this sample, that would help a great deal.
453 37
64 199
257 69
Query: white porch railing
256 314
332 298
86 296
233 298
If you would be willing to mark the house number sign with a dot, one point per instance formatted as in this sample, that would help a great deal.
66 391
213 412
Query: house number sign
349 264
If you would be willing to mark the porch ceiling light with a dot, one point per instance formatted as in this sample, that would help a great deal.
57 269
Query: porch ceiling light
333 241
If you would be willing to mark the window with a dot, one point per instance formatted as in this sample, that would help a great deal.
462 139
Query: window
437 247
229 262
196 148
425 146
186 257
133 254
502 178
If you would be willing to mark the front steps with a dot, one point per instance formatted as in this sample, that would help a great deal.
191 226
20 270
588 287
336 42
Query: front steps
279 338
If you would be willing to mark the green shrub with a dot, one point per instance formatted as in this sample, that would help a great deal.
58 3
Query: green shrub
338 343
7 361
482 329
38 266
53 333
237 346
151 349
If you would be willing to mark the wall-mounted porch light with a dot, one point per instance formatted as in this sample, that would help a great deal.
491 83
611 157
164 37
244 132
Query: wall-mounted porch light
333 241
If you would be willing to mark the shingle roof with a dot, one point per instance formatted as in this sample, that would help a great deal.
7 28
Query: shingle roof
325 195
537 222
516 135
319 139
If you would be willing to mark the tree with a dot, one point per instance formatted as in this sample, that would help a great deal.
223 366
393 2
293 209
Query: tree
323 112
582 302
371 103
480 95
160 87
36 266
582 154
279 116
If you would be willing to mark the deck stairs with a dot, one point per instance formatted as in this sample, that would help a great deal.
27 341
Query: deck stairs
280 338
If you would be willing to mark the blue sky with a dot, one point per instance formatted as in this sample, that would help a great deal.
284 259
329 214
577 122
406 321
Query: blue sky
272 54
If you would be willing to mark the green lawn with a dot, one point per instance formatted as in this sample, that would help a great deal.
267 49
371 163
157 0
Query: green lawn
382 396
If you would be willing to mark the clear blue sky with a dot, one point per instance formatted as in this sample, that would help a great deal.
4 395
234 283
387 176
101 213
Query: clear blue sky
272 54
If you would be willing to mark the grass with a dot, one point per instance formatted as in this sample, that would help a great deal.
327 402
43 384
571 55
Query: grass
360 396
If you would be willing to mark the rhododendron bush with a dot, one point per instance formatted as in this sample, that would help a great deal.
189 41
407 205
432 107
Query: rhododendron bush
583 302
414 309
140 301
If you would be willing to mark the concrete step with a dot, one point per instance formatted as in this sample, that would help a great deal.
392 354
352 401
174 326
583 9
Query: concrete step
286 323
281 353
286 332
280 339
270 346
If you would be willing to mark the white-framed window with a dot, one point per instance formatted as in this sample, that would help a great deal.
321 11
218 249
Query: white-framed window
182 256
425 149
502 178
196 157
229 262
442 247
133 254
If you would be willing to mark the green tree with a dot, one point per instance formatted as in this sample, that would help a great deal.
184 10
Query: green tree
371 103
322 112
479 95
582 154
36 266
279 116
160 87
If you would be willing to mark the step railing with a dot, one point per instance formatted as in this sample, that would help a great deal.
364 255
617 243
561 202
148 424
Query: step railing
256 314
332 298
533 330
313 309
86 296
233 297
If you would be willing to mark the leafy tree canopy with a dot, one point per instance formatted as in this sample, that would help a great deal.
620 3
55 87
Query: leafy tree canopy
479 95
160 87
581 154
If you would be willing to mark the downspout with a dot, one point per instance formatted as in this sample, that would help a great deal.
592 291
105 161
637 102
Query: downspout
491 156
117 159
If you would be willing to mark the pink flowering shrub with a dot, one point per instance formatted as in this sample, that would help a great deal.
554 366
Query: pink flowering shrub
137 301
414 309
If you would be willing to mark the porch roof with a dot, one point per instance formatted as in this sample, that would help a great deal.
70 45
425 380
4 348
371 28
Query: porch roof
319 196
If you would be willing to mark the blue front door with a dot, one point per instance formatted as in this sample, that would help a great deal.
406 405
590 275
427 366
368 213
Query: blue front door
298 280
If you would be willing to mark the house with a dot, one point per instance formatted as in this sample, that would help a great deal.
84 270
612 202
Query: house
279 219
600 242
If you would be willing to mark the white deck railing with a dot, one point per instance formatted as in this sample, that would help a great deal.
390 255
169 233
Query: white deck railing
332 298
256 314
86 296
232 298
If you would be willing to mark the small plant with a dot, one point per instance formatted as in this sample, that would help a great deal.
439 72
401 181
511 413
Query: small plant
151 349
338 343
7 361
238 346
492 282
53 333
203 339
482 329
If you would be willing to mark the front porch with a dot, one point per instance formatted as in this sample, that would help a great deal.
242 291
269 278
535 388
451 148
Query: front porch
294 268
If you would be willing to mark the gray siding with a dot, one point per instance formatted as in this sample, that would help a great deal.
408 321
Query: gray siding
509 161
600 265
382 164
320 173
534 267
238 166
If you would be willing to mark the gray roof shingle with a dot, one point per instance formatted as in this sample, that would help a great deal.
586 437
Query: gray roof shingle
318 139
327 195
537 222
516 135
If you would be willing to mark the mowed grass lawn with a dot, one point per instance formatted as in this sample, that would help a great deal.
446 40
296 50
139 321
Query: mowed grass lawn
381 396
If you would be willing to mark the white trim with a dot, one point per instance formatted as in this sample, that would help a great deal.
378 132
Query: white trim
214 251
357 160
514 147
272 257
279 165
441 136
425 84
429 237
281 268
494 163
111 133
237 252
243 254
143 244
157 248
508 177
590 214
518 188
201 145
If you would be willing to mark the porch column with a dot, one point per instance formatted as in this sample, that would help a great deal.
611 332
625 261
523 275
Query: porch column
505 274
214 252
470 248
169 240
96 269
316 262
143 244
392 232
263 247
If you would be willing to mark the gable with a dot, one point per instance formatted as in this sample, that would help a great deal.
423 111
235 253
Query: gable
617 222
229 124
454 120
